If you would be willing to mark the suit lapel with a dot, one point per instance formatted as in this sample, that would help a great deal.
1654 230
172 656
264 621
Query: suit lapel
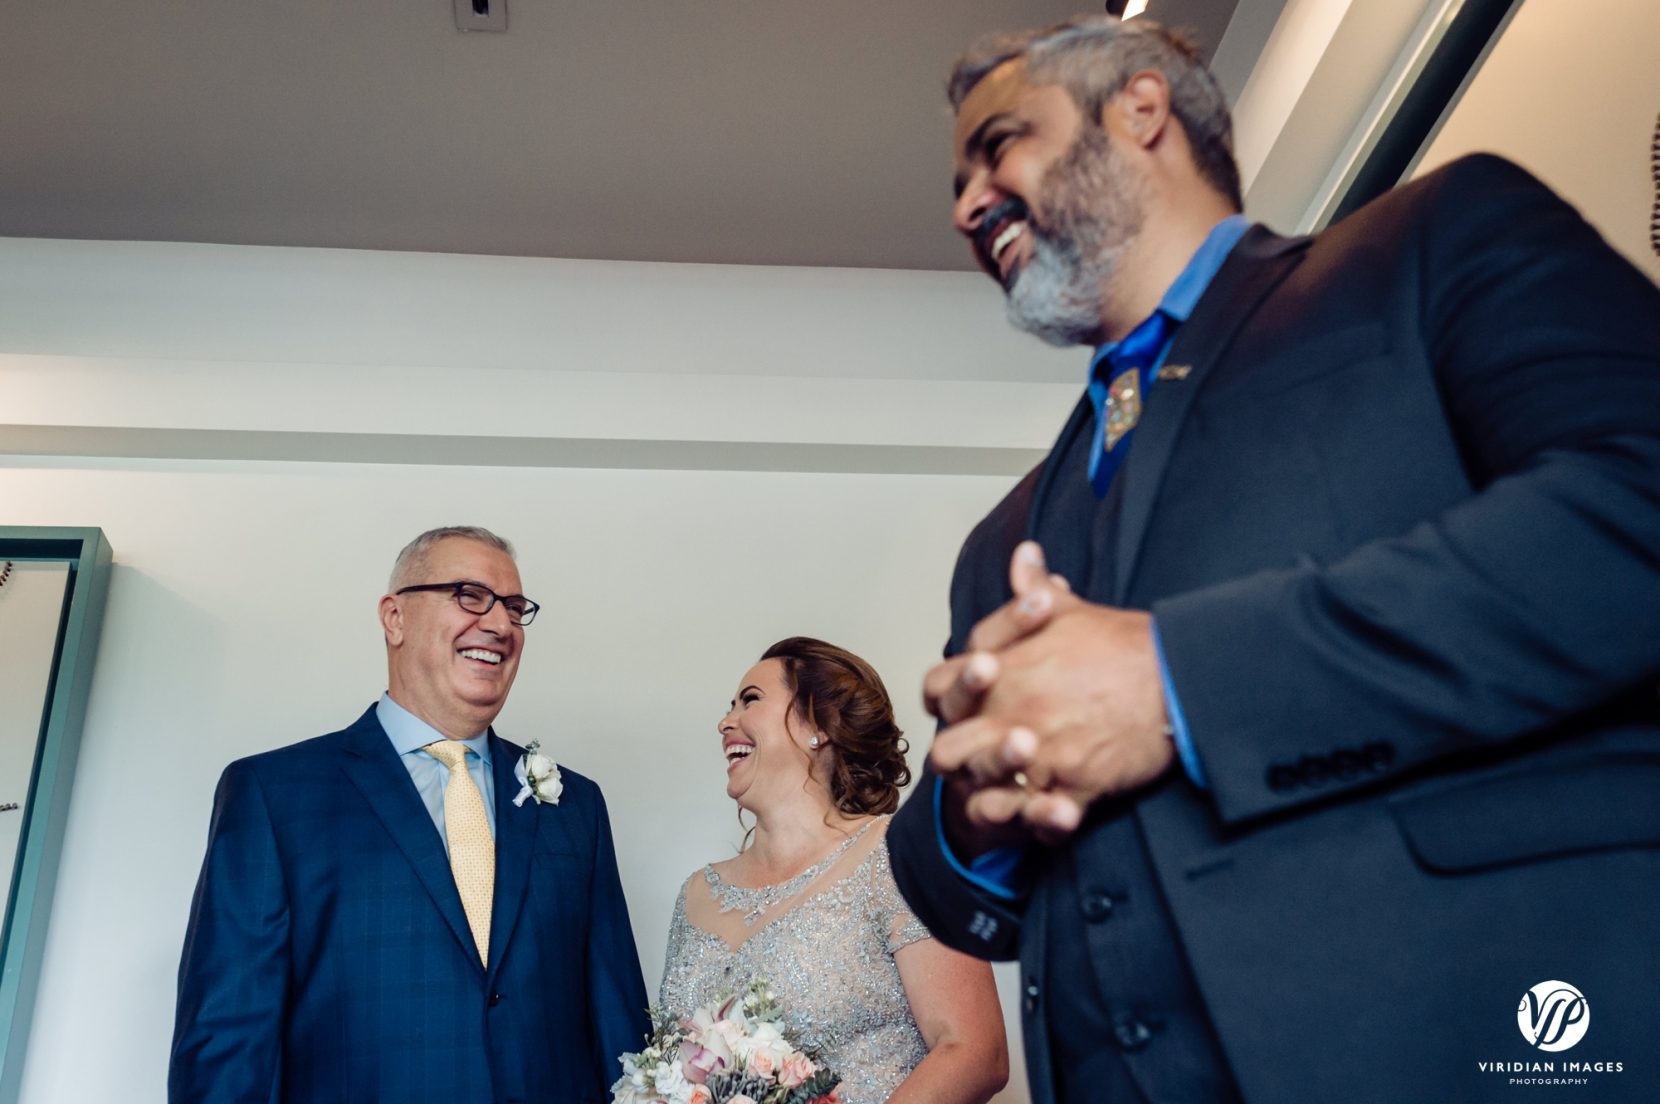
515 842
373 767
1260 261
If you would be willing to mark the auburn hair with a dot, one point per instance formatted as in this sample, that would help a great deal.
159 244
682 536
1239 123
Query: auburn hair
842 697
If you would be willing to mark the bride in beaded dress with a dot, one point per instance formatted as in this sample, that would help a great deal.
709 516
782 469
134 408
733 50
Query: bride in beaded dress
810 904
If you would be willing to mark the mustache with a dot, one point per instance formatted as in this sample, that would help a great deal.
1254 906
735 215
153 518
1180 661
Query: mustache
1009 210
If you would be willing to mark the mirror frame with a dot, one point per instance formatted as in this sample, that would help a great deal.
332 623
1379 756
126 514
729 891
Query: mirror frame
28 902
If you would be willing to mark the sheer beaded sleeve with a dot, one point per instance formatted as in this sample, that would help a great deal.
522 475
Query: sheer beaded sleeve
897 920
672 994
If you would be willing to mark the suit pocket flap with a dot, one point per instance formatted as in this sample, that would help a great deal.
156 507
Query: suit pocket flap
1595 804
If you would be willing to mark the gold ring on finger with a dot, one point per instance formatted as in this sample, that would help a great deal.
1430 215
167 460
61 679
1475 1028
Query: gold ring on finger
1019 779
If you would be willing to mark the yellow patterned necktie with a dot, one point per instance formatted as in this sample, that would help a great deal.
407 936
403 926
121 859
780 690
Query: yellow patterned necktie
472 849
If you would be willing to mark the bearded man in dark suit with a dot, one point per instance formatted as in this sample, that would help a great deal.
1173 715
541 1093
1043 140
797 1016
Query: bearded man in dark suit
412 909
1300 728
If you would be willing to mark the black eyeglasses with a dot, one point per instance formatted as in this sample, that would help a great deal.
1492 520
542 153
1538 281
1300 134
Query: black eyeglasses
480 599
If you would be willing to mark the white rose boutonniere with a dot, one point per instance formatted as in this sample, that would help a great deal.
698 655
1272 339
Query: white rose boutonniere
538 776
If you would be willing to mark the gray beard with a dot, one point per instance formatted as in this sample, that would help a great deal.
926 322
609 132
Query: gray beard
1057 296
1094 214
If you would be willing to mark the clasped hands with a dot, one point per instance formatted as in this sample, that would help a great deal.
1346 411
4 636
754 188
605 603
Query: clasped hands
1055 703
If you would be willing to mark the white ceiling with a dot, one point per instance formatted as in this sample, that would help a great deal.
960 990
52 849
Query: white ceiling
789 132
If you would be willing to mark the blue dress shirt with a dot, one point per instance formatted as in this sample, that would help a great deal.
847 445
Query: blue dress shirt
409 734
997 871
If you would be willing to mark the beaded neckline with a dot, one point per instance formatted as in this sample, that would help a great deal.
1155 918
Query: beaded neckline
756 901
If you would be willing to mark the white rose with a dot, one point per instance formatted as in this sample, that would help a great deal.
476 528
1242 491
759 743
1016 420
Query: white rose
766 1038
548 783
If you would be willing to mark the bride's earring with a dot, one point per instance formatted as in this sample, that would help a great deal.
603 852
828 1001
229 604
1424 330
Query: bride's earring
813 743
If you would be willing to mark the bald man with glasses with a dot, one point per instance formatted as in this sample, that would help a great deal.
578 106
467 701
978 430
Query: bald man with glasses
409 909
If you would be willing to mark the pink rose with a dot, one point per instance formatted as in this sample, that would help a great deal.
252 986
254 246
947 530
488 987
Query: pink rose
701 1095
796 1069
741 1099
761 1062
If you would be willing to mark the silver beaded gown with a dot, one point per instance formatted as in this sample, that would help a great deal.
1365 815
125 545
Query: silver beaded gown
825 942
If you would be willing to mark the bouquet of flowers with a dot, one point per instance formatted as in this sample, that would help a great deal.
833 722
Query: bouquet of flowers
734 1052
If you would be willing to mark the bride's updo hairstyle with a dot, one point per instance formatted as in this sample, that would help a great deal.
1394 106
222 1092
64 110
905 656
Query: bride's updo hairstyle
843 698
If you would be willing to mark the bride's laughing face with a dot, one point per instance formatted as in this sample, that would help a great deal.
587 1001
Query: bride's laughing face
766 748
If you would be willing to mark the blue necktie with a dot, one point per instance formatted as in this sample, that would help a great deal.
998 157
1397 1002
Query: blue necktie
1118 386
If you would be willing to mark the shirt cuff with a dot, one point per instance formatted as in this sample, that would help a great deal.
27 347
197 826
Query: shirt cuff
996 872
1185 750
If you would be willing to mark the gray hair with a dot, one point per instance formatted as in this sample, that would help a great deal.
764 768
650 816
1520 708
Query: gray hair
412 561
1094 56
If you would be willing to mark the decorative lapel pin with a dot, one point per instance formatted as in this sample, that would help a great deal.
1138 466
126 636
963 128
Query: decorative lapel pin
1175 371
1123 407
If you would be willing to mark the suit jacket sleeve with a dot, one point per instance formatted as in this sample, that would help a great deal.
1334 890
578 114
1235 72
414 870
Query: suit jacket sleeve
233 976
1520 608
616 989
960 914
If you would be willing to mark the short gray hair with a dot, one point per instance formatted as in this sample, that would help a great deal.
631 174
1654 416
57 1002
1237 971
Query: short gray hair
1094 56
413 559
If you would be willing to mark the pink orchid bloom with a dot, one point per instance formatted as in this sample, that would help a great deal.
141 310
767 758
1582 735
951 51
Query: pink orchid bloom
698 1061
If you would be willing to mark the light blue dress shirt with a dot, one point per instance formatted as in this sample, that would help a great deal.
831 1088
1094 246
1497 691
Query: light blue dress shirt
409 735
997 871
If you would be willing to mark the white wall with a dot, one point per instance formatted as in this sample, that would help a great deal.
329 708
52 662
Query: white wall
242 604
1570 92
1330 76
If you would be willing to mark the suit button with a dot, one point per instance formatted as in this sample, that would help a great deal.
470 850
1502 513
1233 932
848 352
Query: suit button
1031 1000
1130 1032
495 999
1096 906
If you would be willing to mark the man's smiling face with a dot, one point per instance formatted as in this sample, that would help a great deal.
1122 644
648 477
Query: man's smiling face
449 667
1046 203
1008 133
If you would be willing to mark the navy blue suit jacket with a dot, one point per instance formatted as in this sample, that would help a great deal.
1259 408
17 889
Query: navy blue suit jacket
328 957
1398 523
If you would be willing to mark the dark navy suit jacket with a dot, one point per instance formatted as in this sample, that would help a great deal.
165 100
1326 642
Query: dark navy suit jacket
328 958
1398 524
